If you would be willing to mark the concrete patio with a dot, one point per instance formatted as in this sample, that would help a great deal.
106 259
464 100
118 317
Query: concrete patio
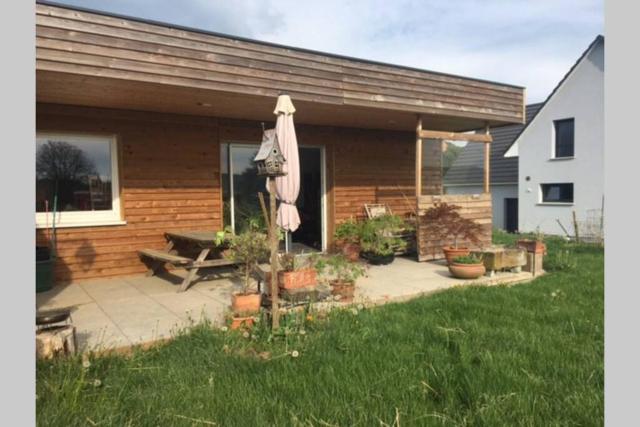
123 311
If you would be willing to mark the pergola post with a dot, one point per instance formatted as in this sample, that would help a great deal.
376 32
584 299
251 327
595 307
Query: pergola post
487 158
419 157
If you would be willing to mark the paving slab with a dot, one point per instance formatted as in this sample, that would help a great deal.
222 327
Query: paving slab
141 319
95 330
62 296
193 307
110 289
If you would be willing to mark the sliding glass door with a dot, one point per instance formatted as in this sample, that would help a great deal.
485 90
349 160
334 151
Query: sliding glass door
240 187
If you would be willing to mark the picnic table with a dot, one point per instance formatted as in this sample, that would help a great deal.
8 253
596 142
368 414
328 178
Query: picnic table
204 241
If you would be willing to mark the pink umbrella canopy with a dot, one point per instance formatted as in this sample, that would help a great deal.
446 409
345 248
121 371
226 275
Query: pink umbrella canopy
287 186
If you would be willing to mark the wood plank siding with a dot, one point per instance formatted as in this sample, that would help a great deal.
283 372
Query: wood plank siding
476 207
170 179
80 43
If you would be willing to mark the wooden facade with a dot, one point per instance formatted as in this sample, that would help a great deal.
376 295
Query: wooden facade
172 95
170 179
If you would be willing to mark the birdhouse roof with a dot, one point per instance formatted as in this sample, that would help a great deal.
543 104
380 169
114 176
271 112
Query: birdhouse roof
269 142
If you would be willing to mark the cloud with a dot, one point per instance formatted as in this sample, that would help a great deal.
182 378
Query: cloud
527 43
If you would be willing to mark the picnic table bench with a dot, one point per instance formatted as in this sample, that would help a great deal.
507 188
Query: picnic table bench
205 241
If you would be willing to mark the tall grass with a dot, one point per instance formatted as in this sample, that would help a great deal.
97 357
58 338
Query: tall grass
530 354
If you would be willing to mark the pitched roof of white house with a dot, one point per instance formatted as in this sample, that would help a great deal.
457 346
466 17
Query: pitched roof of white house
512 150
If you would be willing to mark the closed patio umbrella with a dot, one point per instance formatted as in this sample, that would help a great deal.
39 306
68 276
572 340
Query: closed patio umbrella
287 186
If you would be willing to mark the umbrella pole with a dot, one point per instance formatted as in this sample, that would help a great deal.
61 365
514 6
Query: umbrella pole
273 236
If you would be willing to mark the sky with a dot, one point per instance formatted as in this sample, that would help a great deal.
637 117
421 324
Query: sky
526 43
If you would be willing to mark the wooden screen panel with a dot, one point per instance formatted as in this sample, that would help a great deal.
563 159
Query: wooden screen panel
476 207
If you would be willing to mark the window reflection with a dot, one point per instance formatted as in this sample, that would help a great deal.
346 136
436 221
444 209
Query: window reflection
77 170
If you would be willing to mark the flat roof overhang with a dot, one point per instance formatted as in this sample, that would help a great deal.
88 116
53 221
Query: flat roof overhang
100 60
69 89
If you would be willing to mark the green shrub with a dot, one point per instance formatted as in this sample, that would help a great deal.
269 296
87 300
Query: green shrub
560 260
348 231
467 259
338 267
379 235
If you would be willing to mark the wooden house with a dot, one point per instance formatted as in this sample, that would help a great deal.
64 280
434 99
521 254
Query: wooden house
167 118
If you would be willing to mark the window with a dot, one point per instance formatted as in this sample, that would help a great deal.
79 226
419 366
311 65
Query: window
557 193
564 132
79 174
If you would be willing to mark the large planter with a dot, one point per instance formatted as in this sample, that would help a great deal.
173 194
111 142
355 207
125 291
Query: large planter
466 271
246 303
450 253
346 290
532 246
304 278
377 259
44 269
351 251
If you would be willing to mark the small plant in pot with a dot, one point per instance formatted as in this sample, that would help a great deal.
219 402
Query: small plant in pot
347 238
223 242
341 274
379 239
467 267
446 224
535 245
248 249
297 271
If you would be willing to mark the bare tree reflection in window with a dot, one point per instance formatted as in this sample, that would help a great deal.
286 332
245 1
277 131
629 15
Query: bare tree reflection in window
65 170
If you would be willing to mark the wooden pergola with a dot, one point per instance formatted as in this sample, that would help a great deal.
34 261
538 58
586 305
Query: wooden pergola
475 206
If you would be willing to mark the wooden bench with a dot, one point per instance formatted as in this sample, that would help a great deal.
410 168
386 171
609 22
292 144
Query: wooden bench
165 257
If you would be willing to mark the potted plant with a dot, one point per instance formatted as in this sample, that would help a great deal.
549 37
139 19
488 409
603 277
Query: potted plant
248 249
446 224
341 274
379 239
297 272
535 245
223 241
347 237
467 267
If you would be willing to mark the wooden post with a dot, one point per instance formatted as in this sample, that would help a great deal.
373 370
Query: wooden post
273 240
575 227
487 166
419 157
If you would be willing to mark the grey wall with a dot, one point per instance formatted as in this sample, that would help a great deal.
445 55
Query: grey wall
498 194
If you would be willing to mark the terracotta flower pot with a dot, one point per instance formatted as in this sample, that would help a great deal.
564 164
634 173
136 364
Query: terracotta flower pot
245 304
346 290
466 271
533 246
450 253
304 278
242 321
351 251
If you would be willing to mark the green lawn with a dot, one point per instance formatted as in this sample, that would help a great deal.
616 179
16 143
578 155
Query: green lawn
531 354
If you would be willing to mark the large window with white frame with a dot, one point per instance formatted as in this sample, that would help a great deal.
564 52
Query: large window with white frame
77 177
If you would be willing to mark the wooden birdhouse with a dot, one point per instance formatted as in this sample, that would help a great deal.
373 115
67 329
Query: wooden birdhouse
269 160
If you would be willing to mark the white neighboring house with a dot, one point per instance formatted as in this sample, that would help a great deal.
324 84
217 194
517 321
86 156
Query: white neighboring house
561 152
